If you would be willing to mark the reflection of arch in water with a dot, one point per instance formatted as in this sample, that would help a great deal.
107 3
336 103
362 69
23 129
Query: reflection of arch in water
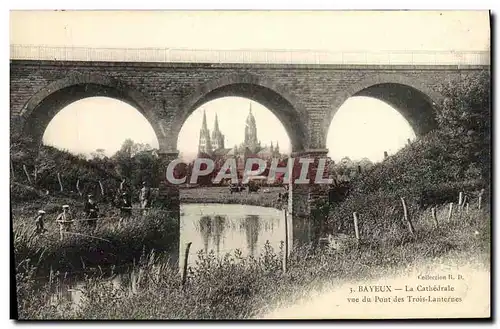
252 228
212 228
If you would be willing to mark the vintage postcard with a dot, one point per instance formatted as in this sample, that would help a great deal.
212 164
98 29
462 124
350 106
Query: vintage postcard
250 164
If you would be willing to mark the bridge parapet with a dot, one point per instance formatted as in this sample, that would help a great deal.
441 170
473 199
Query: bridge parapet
250 56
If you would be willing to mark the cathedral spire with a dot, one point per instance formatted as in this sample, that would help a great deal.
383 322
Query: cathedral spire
205 144
216 124
217 137
204 123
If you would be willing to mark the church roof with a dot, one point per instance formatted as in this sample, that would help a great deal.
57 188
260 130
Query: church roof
222 151
204 155
232 151
265 150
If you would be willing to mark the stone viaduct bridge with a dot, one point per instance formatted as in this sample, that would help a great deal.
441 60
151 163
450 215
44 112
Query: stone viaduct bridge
303 92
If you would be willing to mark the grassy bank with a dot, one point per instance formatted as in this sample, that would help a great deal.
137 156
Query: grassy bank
219 194
234 287
110 244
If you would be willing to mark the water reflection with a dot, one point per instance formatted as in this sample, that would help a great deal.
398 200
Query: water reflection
223 228
252 226
212 227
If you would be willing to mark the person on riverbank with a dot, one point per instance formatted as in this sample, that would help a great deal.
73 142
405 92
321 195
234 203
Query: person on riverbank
125 207
91 212
145 197
64 220
39 222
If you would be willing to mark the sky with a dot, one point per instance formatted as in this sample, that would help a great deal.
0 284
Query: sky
91 123
327 30
356 130
232 113
355 126
95 118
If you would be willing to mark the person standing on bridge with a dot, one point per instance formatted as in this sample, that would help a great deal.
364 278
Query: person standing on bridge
144 197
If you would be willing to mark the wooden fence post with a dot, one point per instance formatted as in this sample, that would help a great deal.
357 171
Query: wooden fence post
102 188
285 253
60 183
467 208
27 175
465 200
480 199
450 211
356 228
434 217
460 198
385 154
185 265
407 219
78 187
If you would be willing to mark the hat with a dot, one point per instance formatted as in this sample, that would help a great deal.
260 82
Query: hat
89 195
65 206
41 212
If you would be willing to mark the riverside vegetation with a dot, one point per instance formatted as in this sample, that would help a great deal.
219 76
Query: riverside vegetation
428 173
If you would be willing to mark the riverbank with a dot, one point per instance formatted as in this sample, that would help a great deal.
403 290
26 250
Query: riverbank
111 244
266 197
235 288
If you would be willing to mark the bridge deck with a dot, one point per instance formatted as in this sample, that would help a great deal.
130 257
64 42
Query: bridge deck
298 58
59 63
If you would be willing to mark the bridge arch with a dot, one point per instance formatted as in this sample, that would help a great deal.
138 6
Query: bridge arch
268 93
42 107
412 98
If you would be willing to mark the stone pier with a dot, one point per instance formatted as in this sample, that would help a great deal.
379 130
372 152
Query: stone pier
168 202
305 199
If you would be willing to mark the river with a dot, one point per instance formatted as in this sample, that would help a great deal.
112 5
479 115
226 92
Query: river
221 228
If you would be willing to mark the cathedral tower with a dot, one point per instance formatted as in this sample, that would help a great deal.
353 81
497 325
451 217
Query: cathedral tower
217 137
251 132
205 144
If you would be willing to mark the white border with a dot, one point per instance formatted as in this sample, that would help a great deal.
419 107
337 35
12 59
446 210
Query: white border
192 5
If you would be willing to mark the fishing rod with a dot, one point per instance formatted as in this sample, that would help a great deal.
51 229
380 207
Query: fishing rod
90 236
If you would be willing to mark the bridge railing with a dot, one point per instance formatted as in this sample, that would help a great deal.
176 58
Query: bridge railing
30 52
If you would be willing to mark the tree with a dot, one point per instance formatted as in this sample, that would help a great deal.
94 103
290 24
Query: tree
465 121
123 158
98 154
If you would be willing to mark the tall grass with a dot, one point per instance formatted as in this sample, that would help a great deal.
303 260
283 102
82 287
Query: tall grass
111 244
234 287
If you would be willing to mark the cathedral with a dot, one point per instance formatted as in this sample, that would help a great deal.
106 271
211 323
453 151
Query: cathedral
212 145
